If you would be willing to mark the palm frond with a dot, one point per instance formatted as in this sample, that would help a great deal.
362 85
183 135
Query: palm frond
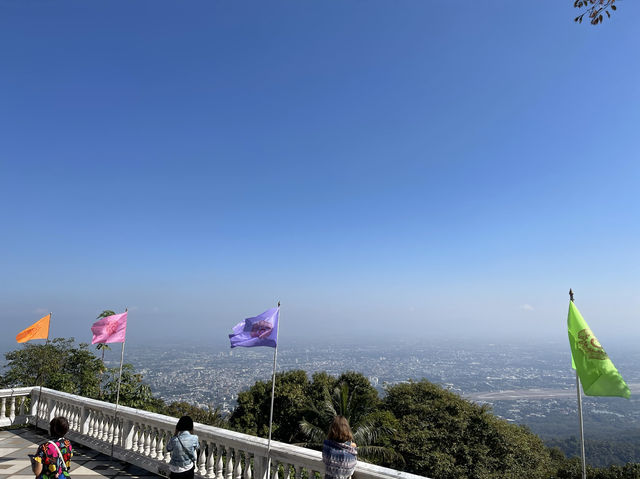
379 453
314 434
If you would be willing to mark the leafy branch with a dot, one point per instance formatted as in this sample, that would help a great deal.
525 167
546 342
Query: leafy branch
594 10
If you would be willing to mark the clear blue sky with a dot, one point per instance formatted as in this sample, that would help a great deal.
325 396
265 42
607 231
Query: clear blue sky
391 169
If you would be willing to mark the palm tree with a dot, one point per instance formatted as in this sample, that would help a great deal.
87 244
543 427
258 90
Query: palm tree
343 402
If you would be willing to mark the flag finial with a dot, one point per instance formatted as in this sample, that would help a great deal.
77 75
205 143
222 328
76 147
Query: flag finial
278 304
570 295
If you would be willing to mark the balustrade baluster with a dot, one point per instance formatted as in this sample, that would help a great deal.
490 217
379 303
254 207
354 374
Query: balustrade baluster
273 473
140 438
104 427
247 465
92 424
167 438
12 408
110 428
134 437
23 401
219 452
90 418
96 425
3 408
154 443
201 461
99 427
71 418
147 441
229 463
76 419
210 447
287 471
117 431
94 420
299 472
111 425
237 472
160 445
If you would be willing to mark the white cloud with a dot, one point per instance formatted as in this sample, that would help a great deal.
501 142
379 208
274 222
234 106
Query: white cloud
527 307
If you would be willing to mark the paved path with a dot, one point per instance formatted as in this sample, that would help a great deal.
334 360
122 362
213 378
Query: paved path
86 463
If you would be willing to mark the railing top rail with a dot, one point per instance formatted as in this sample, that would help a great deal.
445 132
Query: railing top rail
8 392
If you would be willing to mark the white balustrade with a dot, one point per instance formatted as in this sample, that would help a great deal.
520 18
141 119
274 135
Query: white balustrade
13 400
140 437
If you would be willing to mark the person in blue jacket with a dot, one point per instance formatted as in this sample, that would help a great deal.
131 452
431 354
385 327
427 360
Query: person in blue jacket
183 447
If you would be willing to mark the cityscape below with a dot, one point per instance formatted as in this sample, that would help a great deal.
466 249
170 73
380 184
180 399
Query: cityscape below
532 385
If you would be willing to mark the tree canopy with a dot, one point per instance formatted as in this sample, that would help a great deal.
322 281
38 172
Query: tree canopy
59 365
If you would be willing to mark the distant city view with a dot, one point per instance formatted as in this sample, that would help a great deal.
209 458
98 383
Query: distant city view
532 385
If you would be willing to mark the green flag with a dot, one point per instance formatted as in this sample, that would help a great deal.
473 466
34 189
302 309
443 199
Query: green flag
598 375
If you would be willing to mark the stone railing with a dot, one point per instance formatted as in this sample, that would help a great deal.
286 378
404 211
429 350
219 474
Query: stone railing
139 437
12 406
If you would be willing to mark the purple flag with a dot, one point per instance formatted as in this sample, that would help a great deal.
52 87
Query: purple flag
259 331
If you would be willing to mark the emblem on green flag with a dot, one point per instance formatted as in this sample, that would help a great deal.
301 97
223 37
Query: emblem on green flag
598 375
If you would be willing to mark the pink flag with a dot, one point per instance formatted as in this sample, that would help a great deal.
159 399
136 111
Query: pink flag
111 329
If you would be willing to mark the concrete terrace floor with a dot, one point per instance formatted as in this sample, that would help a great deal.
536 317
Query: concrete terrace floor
86 463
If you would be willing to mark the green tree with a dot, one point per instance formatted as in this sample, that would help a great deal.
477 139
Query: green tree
251 415
210 415
442 435
59 364
63 366
133 391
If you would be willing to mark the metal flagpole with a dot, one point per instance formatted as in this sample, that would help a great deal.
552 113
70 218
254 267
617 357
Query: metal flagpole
273 388
42 374
584 458
115 413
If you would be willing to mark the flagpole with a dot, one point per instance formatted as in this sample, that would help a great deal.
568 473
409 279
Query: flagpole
115 413
42 375
273 388
584 458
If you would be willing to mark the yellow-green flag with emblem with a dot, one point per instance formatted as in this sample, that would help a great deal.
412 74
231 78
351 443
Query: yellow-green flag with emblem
598 375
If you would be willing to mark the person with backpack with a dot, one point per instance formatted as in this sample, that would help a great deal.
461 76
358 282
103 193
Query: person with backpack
52 460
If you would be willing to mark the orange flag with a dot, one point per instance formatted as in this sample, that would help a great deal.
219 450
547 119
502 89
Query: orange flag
38 330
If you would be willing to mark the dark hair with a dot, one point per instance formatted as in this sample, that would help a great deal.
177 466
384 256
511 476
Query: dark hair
340 430
185 423
58 426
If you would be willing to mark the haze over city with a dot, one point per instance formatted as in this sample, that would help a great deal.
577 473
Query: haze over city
384 170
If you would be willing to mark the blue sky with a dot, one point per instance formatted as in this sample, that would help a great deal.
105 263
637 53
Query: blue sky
387 169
